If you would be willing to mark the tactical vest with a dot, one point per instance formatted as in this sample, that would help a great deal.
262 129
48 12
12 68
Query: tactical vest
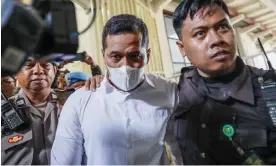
199 129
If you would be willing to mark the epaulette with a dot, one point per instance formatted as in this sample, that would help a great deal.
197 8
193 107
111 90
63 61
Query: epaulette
12 97
267 75
186 69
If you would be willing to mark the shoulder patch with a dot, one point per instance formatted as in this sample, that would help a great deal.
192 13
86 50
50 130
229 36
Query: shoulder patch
15 139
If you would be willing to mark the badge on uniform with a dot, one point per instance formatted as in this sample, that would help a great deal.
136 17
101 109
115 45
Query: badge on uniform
15 139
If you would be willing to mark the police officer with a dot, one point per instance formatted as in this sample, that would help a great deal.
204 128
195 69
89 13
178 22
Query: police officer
8 85
32 144
76 80
221 117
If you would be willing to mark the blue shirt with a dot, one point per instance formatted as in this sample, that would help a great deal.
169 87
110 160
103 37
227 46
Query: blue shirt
114 127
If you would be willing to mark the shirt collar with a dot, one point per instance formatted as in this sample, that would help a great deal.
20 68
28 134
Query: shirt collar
21 94
52 101
241 87
149 81
52 98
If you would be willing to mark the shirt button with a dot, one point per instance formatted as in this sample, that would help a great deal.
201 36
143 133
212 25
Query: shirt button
203 125
226 94
128 121
203 155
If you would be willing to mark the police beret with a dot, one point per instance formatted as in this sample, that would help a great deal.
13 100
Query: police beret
75 77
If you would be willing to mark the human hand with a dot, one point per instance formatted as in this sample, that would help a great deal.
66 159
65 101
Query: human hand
88 60
93 82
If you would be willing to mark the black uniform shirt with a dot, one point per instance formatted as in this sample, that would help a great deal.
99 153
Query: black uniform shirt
240 87
240 94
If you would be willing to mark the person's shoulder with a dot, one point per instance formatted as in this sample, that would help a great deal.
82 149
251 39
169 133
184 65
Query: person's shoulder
158 80
162 84
257 71
78 101
15 97
185 75
16 90
164 88
81 96
187 69
62 94
82 93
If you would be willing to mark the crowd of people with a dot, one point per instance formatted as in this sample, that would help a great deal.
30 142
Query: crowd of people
216 114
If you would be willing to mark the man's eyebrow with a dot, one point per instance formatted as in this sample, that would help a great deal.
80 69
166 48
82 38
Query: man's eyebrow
114 52
204 27
199 27
221 21
134 52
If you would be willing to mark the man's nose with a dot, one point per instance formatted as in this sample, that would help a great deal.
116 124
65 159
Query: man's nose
126 61
38 70
215 39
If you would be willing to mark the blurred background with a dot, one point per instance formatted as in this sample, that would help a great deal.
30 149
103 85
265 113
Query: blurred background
251 19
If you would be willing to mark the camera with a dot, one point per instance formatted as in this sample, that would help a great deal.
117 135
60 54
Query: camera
46 30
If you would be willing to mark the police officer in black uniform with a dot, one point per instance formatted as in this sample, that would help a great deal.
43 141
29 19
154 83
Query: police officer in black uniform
223 115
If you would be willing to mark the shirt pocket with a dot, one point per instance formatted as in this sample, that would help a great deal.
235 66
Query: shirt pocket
152 124
156 114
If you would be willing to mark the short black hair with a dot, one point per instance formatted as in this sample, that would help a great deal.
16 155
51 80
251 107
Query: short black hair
192 7
125 23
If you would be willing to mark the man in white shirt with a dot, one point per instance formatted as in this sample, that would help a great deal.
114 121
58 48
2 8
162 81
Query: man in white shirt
126 121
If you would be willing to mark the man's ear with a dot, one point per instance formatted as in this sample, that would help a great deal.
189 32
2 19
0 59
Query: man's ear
181 47
148 55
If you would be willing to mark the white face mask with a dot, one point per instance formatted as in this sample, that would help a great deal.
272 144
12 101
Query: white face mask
125 77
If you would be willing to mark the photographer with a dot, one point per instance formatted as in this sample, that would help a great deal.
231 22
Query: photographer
60 82
95 69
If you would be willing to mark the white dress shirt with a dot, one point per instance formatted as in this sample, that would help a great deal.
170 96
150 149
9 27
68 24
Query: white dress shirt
114 127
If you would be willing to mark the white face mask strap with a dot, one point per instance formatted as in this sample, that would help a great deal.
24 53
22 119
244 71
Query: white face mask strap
145 56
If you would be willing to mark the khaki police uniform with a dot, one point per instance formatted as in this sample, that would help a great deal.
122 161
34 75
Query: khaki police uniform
32 145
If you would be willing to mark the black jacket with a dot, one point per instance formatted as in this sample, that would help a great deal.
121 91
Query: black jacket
201 115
